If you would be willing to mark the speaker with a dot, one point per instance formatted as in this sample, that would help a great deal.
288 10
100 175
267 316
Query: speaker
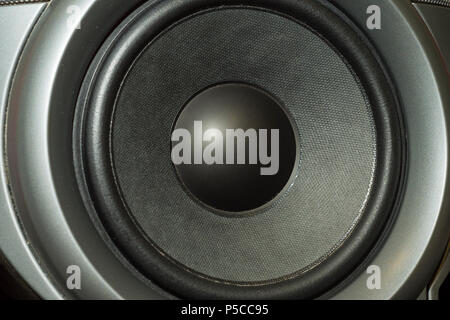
225 149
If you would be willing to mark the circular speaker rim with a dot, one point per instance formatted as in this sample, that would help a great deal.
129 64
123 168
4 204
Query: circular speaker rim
292 289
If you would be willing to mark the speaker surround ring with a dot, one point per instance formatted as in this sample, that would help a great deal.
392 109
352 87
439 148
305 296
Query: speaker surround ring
379 94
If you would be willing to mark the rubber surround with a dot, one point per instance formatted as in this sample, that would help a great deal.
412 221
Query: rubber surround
105 76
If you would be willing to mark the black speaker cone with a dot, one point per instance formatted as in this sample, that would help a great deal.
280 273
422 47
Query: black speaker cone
234 148
341 148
